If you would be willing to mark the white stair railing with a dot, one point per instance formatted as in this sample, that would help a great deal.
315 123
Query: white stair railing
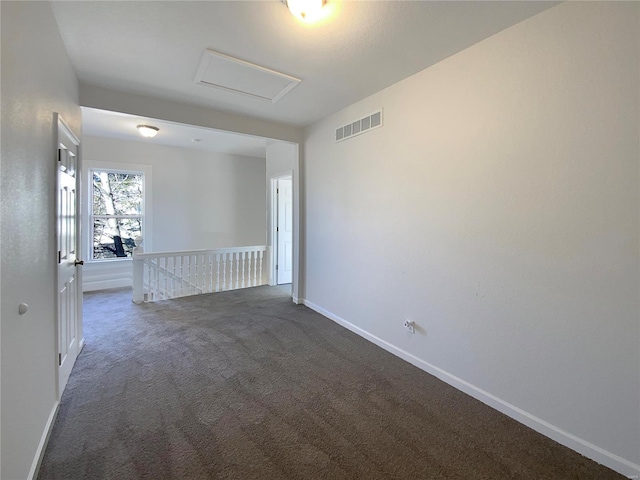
160 276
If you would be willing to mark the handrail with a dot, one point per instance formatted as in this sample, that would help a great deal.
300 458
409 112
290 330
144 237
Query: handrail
164 275
197 252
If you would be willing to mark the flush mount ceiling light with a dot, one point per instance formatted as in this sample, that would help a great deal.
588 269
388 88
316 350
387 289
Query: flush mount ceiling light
148 131
305 10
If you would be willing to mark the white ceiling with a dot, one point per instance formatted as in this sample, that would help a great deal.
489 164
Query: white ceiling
154 47
101 123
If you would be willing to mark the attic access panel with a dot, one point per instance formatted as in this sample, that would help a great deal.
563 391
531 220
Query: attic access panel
237 76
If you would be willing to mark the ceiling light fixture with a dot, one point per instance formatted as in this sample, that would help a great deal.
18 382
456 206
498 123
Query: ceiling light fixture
305 10
148 131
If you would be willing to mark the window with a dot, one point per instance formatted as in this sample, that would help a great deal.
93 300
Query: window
116 212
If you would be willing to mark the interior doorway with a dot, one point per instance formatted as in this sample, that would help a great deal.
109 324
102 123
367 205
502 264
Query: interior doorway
69 278
282 227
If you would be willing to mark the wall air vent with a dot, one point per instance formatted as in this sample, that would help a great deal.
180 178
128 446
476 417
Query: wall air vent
359 126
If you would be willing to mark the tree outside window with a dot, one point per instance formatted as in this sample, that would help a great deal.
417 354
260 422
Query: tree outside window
116 213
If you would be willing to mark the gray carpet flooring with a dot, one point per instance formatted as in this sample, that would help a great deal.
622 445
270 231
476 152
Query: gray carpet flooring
247 385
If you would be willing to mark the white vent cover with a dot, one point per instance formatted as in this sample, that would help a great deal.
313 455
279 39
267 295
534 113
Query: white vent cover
237 76
359 126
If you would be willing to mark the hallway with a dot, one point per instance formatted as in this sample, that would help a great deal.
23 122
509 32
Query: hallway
247 385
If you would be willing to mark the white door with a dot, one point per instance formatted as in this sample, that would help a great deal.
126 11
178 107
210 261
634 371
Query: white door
284 265
69 321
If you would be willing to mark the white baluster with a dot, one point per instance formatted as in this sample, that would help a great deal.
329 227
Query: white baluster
224 271
255 268
181 276
173 277
243 284
146 279
217 272
193 274
187 281
196 274
152 277
203 273
210 259
156 282
188 275
159 277
178 274
204 269
237 269
167 278
185 275
163 276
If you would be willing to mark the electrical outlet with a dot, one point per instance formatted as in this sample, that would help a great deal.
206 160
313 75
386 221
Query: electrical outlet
409 325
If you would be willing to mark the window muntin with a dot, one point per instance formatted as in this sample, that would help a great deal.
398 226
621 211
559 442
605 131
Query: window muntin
116 212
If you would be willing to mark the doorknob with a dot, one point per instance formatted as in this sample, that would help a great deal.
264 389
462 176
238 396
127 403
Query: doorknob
78 262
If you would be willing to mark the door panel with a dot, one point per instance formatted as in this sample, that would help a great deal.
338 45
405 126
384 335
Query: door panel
69 296
285 230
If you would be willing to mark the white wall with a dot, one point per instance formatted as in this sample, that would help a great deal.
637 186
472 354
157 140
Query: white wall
37 80
280 158
498 209
199 199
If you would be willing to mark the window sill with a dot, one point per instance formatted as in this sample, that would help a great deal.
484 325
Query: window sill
106 261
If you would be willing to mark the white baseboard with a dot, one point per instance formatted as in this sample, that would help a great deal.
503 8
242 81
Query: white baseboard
89 286
608 459
37 459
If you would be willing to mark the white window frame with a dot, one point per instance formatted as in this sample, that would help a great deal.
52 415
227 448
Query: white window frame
147 218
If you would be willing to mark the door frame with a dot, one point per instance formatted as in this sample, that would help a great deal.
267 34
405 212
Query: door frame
273 234
60 125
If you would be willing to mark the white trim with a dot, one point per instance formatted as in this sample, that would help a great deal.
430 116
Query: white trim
296 279
65 128
147 210
106 284
271 231
60 125
273 250
297 283
112 273
200 251
206 60
44 439
589 450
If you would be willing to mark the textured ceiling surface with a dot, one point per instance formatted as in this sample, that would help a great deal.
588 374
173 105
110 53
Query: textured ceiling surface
154 47
101 123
